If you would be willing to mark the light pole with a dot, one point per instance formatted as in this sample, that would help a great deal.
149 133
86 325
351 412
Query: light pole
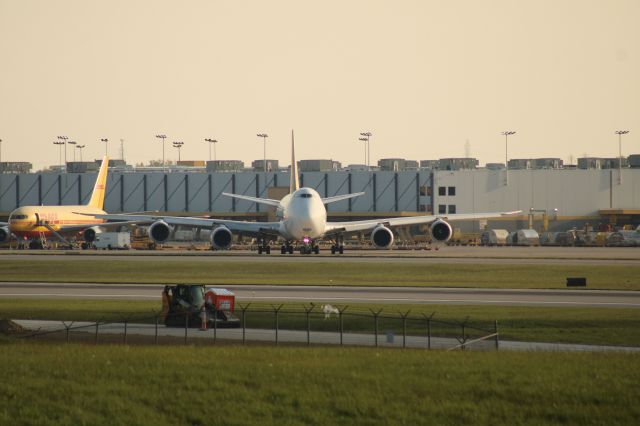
365 149
620 133
80 148
59 143
64 142
178 145
506 161
106 145
0 154
214 142
367 136
162 138
74 151
264 137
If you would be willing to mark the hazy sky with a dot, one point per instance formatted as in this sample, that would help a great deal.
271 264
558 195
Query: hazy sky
423 76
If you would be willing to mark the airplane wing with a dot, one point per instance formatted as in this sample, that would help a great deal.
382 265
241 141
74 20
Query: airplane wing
365 225
266 201
67 229
336 198
237 226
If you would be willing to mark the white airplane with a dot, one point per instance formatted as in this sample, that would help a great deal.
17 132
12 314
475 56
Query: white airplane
302 221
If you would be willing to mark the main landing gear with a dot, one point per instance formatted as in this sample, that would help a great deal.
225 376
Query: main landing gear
286 248
338 247
264 247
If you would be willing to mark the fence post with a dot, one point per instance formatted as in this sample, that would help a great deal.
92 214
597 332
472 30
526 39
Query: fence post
244 324
404 327
276 311
340 312
215 324
125 331
155 339
186 326
96 338
428 318
67 327
464 336
375 324
495 325
308 313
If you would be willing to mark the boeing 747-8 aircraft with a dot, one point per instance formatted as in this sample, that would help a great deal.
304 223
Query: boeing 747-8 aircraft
302 222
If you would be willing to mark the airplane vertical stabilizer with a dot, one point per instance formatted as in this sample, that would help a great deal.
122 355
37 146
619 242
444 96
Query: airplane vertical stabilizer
97 197
294 183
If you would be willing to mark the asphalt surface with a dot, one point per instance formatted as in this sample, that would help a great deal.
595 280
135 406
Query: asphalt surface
342 295
448 255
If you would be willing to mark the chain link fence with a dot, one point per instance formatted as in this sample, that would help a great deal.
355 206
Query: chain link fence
277 324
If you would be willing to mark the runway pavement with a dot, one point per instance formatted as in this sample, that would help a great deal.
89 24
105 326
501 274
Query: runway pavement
342 295
448 255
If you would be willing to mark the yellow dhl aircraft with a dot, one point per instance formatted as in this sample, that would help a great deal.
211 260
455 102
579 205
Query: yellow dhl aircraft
33 225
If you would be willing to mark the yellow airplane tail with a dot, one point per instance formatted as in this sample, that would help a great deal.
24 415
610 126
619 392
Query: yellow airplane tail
97 197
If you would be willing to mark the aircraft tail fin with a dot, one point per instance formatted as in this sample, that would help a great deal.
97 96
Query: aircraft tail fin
99 189
294 183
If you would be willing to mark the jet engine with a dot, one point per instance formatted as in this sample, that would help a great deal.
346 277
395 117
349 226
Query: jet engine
440 231
5 234
221 238
160 231
89 234
382 237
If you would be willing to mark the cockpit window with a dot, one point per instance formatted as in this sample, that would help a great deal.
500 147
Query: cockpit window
18 216
304 195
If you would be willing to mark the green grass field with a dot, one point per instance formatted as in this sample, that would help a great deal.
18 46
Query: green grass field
560 325
319 273
76 384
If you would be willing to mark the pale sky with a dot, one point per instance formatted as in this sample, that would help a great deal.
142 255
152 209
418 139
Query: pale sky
423 76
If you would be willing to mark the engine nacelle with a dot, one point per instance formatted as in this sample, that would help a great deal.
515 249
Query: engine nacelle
89 234
382 237
440 231
5 234
221 238
160 231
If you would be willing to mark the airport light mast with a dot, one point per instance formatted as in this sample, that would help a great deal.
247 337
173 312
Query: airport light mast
106 145
0 154
214 142
367 136
74 151
59 143
162 138
365 149
64 142
264 137
80 148
620 133
178 144
506 161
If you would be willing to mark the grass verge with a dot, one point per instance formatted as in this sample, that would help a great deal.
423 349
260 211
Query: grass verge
601 326
319 273
76 384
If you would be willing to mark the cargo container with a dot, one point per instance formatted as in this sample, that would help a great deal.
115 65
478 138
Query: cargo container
112 241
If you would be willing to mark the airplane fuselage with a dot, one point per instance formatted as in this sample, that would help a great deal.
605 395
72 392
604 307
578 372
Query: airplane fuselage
302 215
29 221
